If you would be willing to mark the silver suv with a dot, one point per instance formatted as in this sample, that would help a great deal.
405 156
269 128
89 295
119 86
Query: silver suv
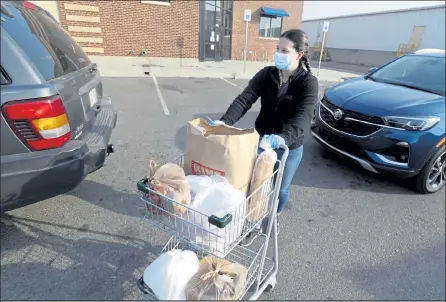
55 122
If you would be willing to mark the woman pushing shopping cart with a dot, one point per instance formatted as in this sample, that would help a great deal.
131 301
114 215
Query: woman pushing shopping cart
216 224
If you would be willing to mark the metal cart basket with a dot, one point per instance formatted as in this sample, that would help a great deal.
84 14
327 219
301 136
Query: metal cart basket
222 236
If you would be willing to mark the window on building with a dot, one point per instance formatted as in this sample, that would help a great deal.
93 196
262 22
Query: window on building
270 27
227 22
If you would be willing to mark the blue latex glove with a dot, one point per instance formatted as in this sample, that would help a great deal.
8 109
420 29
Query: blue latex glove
274 140
215 123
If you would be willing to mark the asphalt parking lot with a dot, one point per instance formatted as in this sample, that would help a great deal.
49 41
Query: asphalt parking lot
347 235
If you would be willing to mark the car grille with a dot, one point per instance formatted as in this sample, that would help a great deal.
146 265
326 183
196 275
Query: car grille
346 125
343 144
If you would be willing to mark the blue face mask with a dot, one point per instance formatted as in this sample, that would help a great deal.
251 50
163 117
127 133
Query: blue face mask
282 61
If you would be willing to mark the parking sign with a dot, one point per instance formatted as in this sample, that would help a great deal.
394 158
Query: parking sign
325 26
247 15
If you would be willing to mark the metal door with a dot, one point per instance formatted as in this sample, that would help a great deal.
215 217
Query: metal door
215 30
417 36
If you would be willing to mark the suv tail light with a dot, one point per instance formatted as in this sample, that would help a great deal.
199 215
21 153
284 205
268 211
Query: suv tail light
40 124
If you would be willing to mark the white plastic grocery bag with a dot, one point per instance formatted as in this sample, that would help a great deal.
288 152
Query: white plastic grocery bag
219 199
168 275
200 182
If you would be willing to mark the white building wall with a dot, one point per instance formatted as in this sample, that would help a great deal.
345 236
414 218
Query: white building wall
380 32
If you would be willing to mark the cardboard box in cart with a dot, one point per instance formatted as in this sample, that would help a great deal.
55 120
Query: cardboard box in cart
221 150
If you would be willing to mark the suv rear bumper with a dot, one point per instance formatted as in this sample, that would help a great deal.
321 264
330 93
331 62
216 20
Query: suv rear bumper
35 176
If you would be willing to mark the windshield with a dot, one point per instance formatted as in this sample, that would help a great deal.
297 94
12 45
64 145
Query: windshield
47 45
415 71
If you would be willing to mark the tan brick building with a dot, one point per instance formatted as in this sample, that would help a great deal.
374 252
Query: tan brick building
206 30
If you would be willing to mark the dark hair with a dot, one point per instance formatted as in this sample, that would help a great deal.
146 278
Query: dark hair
300 41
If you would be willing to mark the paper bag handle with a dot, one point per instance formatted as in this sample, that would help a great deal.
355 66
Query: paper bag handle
202 126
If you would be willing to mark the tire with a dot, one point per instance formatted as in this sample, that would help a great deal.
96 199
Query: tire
271 286
423 182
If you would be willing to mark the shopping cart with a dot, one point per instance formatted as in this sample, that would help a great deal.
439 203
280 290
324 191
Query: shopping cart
223 237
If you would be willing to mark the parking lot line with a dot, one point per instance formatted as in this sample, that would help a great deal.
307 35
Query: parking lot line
160 96
230 83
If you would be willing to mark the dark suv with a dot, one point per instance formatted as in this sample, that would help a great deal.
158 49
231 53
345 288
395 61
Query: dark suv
55 122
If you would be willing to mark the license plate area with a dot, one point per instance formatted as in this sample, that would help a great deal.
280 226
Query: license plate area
93 97
344 144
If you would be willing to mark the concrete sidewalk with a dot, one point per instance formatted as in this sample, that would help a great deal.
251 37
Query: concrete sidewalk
174 67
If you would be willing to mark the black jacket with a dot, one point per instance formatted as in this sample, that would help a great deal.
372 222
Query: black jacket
289 116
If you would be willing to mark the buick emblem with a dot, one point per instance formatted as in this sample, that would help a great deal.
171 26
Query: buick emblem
337 114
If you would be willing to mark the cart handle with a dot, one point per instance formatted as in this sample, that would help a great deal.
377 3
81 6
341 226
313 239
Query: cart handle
219 222
286 151
141 185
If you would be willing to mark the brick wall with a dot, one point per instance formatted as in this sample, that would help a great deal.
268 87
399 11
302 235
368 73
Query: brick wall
130 24
114 28
256 43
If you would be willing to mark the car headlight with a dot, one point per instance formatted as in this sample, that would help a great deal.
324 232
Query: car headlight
411 123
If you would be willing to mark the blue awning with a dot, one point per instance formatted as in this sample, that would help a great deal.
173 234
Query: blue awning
276 12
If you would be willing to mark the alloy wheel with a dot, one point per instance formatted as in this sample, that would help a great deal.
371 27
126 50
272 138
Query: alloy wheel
437 174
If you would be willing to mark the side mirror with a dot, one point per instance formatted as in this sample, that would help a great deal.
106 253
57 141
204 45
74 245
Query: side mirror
372 70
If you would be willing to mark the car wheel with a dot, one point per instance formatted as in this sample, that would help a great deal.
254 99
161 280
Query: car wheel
433 175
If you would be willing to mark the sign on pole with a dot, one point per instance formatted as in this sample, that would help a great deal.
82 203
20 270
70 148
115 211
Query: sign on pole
325 26
324 29
247 15
247 18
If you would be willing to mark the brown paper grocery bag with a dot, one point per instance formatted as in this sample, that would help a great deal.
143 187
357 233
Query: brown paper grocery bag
221 150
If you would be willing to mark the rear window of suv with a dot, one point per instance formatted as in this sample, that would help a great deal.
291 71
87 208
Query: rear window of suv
46 43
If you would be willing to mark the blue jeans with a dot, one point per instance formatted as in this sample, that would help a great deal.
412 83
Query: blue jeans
291 165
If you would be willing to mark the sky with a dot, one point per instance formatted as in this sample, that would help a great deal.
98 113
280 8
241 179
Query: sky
324 9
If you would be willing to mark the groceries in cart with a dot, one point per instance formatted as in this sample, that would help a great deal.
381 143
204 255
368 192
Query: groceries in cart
168 180
169 274
200 182
217 279
216 198
209 206
221 150
222 195
211 196
179 275
263 169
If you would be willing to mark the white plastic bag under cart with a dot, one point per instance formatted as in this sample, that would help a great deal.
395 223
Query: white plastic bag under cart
249 258
168 275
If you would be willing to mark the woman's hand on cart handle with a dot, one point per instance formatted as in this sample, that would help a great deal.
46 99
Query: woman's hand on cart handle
274 140
215 123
